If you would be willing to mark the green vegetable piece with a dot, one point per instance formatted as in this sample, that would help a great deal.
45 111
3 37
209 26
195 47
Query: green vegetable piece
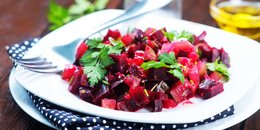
188 35
219 67
153 64
168 58
177 73
94 74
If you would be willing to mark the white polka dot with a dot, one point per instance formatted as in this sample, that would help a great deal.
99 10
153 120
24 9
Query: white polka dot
73 119
23 47
106 126
185 125
118 127
56 114
228 109
59 121
94 120
163 126
113 129
202 121
20 55
55 119
51 111
63 124
206 122
33 43
101 128
26 42
42 112
50 116
141 128
13 48
90 128
104 121
16 45
65 128
98 125
88 123
173 126
196 125
224 115
61 116
36 39
16 51
124 124
78 128
129 127
66 119
212 118
114 123
13 55
43 108
84 119
46 114
7 47
10 51
151 127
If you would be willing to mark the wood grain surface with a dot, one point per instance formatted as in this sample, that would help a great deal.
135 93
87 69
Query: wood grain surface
23 19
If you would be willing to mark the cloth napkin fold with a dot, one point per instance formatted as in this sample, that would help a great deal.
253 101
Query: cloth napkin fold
67 119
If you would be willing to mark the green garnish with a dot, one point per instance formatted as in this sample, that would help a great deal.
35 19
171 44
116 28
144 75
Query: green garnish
168 61
219 67
97 58
174 35
59 15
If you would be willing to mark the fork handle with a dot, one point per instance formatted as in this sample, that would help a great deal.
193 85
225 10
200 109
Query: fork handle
142 7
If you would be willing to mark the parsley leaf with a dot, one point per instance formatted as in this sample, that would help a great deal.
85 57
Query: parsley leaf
170 35
219 67
177 73
153 64
185 34
95 43
168 58
165 59
104 58
94 73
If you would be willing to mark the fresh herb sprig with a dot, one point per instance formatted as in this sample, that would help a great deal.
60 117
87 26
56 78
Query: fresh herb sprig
219 67
174 35
59 15
97 58
168 61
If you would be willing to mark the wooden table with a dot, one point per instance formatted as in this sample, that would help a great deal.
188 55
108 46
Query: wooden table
23 19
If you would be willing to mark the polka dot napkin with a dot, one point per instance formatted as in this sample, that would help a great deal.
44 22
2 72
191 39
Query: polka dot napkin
66 119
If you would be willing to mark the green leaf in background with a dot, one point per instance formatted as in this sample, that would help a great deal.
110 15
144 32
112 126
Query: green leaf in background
188 35
59 15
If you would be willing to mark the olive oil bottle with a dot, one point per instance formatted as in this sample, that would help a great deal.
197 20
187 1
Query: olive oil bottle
238 16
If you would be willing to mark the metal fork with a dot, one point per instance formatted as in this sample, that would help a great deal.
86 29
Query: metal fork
41 65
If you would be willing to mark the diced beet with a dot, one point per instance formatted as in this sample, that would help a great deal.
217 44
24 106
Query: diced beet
82 48
180 92
149 54
127 39
138 57
194 74
85 94
169 103
84 80
182 48
202 69
115 34
121 63
139 96
166 48
215 54
193 56
132 81
108 103
224 57
160 95
68 72
159 36
210 88
138 35
205 50
153 45
127 105
216 76
159 74
200 38
101 91
149 31
131 50
162 87
136 71
75 82
158 105
119 88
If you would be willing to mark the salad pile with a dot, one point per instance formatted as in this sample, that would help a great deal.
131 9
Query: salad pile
152 69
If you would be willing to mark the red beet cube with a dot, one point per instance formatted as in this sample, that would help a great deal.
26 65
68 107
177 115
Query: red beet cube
139 96
169 103
210 88
108 103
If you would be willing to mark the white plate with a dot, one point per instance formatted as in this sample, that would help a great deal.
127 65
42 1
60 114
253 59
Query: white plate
243 108
244 70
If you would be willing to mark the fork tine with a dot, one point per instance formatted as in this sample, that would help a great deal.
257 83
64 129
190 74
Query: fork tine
30 59
35 61
43 66
53 70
